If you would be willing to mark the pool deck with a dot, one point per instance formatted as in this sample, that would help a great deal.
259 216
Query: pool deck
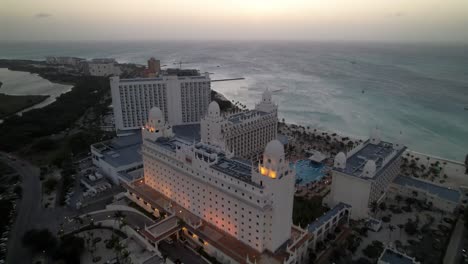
309 173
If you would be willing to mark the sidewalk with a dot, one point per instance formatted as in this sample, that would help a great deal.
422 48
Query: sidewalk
454 247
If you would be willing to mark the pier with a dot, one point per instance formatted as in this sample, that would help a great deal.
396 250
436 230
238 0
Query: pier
231 79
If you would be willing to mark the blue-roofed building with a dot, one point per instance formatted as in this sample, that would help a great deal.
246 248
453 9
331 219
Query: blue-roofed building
118 155
363 175
440 197
120 159
391 256
328 222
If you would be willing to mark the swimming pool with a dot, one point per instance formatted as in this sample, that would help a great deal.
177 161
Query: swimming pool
308 172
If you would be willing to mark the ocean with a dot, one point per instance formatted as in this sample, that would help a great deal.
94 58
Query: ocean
417 90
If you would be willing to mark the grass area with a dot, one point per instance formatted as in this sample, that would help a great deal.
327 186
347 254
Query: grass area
5 169
10 104
305 210
19 131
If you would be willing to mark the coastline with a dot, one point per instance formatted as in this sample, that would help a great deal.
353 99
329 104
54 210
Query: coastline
15 104
50 74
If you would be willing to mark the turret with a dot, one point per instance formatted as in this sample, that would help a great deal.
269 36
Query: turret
340 161
266 104
278 179
211 126
156 126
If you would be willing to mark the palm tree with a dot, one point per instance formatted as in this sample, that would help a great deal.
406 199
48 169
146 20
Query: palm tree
398 198
118 216
118 248
391 228
126 257
401 226
374 206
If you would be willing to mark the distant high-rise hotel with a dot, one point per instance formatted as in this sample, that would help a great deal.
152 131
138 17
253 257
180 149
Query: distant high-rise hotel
182 95
245 134
154 67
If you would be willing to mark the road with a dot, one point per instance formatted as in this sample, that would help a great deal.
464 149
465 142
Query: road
455 246
28 208
177 250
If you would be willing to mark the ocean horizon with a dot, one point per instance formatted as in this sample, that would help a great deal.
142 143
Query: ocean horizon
417 90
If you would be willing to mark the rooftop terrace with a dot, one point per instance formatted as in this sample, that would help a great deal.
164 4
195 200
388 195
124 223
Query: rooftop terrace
120 151
239 117
327 216
382 154
239 169
440 191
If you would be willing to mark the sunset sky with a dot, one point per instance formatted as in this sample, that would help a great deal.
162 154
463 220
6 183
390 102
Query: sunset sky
375 20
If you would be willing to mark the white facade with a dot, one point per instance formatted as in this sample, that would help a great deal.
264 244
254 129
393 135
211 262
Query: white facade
246 133
104 69
439 197
183 100
363 176
117 156
252 205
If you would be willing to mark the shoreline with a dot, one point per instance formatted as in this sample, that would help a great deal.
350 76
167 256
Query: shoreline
40 68
31 101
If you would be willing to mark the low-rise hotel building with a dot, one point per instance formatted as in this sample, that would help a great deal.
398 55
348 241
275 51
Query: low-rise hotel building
182 95
246 133
103 67
438 196
224 198
363 176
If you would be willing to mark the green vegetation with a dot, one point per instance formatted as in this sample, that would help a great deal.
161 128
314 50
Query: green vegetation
50 185
54 118
373 250
10 190
10 104
224 105
306 210
5 169
68 249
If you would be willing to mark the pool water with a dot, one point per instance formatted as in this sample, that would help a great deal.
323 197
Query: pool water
307 171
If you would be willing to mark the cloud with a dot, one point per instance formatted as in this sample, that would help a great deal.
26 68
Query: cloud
397 14
42 15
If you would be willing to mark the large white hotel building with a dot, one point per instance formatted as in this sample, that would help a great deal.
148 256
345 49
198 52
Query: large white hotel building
249 204
245 133
182 95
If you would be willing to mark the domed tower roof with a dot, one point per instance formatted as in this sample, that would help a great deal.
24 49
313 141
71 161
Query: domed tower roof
369 169
340 161
156 116
213 109
266 96
274 149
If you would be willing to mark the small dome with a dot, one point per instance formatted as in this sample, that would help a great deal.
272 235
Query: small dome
340 161
369 169
274 149
156 115
375 136
266 96
213 109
